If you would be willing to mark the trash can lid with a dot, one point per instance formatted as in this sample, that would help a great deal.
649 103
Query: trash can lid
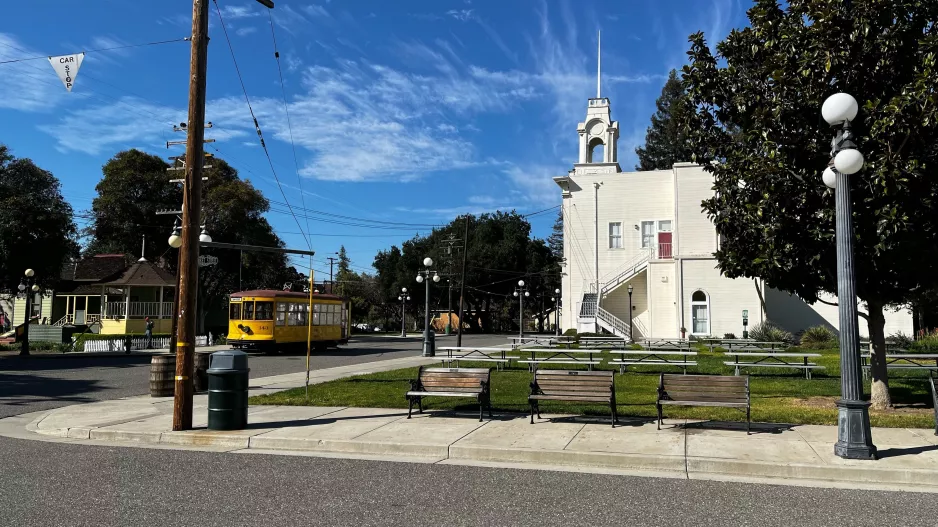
229 360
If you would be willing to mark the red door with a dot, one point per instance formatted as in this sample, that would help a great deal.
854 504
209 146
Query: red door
664 245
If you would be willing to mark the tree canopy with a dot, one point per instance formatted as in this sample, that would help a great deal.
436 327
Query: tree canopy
665 141
36 227
757 129
500 252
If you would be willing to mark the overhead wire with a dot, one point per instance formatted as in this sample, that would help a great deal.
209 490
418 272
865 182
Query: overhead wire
257 127
540 211
25 59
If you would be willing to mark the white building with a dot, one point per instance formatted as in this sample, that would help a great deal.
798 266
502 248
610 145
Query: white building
653 236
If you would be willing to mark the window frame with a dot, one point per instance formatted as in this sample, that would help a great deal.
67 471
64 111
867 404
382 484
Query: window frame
641 234
615 237
698 303
231 306
244 310
270 311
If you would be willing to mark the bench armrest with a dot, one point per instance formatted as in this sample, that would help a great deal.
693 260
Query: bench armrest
485 386
416 385
535 389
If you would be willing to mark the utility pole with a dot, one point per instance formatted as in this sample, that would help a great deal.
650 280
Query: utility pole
462 282
331 262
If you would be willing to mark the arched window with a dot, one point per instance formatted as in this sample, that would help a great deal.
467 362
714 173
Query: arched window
700 313
596 151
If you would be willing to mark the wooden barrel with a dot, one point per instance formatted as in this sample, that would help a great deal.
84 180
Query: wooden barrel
200 379
162 375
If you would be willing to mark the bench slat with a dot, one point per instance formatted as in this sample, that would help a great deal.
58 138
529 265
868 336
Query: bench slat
445 394
689 396
707 403
574 373
583 398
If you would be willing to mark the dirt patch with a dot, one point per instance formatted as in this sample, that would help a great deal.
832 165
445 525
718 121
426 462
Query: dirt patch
830 403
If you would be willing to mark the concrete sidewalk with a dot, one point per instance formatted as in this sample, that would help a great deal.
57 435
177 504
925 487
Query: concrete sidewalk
799 455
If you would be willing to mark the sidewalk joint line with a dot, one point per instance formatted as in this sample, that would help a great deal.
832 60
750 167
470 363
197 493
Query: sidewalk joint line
449 454
582 427
686 469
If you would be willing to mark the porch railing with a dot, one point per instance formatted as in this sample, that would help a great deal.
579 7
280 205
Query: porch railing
70 319
664 251
116 310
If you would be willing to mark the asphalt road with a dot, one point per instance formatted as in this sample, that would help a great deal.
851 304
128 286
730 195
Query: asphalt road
61 484
39 383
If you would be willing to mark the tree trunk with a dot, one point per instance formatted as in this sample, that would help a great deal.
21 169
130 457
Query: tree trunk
879 384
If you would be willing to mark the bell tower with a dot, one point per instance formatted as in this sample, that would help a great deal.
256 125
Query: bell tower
599 134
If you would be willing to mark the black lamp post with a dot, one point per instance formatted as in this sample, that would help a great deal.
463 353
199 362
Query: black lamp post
29 288
630 313
425 276
556 300
521 292
403 297
854 440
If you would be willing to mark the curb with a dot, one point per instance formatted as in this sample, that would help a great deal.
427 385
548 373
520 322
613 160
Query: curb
637 464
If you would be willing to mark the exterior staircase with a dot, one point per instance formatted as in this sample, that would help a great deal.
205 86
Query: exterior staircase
626 271
612 323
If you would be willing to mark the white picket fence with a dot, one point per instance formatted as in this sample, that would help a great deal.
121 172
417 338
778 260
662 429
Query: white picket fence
136 343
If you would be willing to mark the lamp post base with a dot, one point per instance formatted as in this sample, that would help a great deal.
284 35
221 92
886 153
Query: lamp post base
429 350
853 431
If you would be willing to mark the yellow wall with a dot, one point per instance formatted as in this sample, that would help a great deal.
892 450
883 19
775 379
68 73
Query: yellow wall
136 326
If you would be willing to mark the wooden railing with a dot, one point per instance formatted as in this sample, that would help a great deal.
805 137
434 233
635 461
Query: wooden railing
116 310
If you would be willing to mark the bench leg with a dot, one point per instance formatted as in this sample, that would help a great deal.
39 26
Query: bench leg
532 413
612 414
659 416
420 404
748 420
410 406
481 406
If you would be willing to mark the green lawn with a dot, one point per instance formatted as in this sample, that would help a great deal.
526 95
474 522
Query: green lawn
778 395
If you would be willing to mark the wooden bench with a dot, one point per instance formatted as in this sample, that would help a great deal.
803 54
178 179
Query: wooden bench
573 385
703 390
450 382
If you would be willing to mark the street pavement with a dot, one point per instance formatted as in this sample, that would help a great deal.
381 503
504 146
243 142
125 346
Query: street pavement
43 383
62 484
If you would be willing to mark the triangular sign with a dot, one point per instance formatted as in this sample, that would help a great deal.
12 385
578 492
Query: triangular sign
66 67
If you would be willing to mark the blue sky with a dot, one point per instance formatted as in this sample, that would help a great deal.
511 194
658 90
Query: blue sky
403 111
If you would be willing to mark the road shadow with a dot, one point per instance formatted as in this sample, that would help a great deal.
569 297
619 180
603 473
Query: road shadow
19 364
24 390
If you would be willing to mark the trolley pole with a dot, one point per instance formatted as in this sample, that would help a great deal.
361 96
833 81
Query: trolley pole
462 283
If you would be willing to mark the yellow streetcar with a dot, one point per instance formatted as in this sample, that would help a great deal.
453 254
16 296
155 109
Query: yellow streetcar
270 320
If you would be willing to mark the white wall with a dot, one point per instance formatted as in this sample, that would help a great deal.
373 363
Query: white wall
792 314
694 232
728 297
663 301
617 303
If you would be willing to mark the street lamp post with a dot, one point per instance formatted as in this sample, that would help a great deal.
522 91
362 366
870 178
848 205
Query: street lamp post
854 440
403 297
556 300
29 288
521 292
630 314
425 276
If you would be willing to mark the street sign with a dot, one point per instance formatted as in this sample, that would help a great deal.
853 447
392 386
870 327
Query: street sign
206 260
66 67
745 313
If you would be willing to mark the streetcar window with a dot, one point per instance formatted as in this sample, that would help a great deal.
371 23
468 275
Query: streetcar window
235 313
247 311
301 311
281 314
264 311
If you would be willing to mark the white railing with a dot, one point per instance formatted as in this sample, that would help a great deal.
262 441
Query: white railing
136 343
664 251
67 319
626 270
114 310
70 319
615 324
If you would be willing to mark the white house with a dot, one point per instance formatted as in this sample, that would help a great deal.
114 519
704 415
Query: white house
653 237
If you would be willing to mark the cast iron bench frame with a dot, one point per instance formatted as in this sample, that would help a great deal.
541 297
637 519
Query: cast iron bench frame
704 390
573 385
450 382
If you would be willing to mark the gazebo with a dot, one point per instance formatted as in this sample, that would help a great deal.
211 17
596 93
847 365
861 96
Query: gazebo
142 290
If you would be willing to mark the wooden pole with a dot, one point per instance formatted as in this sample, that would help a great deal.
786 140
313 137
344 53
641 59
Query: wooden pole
191 209
462 282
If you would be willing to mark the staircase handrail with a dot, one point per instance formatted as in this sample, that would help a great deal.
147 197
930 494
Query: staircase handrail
617 324
629 268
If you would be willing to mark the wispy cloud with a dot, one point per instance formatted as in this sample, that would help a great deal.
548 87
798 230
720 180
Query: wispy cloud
247 30
316 11
28 86
462 15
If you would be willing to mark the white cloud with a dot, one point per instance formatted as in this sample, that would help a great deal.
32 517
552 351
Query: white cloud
460 14
247 30
234 12
446 128
316 10
29 86
535 183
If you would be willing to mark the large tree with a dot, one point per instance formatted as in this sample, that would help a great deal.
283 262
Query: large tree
36 227
500 252
136 185
665 141
757 129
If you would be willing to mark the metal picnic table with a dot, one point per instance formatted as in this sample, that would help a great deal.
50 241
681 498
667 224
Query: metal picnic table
476 354
903 361
603 342
550 341
560 356
769 358
654 356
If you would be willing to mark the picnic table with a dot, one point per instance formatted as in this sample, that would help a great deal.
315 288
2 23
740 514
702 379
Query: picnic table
549 341
477 354
732 345
903 361
603 342
665 343
560 356
768 358
675 356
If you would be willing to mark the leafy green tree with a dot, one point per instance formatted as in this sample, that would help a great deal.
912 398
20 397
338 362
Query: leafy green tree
757 129
500 252
36 227
665 141
136 185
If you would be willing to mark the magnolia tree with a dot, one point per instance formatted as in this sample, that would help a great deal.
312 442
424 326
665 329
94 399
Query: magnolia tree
758 129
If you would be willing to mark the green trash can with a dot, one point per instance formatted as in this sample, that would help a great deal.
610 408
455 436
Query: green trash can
228 390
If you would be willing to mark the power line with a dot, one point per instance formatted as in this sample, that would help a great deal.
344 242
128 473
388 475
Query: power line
353 218
286 109
540 211
184 39
257 127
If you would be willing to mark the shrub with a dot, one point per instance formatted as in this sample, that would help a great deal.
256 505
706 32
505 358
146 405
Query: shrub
729 336
818 335
768 332
927 343
900 340
570 332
